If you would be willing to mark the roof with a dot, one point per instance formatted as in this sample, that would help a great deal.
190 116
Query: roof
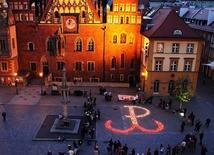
202 14
167 24
191 12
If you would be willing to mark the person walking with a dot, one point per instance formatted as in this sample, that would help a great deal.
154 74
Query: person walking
4 116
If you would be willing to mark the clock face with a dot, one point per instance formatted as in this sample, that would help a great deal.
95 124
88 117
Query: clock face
70 23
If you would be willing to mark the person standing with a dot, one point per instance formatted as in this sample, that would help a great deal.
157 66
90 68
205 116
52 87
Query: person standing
49 152
201 135
161 149
149 152
168 150
4 116
203 149
182 126
208 122
156 152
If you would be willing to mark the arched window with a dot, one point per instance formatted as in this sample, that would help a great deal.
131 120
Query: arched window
49 44
91 45
56 13
121 20
171 85
30 46
127 20
113 63
122 60
115 39
156 86
132 63
83 14
79 45
123 38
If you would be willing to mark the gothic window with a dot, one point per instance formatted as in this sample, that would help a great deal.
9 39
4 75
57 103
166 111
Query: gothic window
49 44
114 39
78 45
123 38
122 59
91 45
83 14
156 86
132 63
56 13
113 63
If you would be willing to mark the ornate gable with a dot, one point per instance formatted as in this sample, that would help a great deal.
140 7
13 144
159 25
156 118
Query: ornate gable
89 11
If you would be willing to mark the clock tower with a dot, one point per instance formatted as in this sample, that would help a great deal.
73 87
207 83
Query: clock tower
70 22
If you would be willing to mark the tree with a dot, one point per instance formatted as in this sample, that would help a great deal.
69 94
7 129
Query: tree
182 89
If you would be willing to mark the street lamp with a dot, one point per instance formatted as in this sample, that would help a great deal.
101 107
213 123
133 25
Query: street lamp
104 50
16 83
143 77
41 75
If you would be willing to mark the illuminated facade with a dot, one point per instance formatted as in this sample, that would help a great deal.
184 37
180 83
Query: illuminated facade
8 46
169 50
94 43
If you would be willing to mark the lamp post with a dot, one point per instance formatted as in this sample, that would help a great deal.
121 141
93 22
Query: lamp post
143 77
41 75
16 83
104 50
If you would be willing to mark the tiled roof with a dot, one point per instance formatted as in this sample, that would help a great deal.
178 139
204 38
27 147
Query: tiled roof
165 22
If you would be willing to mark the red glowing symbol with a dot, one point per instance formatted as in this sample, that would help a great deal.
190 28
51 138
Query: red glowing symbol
135 124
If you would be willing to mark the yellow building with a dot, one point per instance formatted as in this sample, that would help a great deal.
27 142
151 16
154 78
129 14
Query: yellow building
170 49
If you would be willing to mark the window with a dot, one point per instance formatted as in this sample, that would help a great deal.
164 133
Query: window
123 38
121 20
13 43
116 20
114 39
112 77
122 7
122 65
158 65
116 7
131 39
91 66
4 66
16 5
2 45
78 66
91 45
110 19
113 63
132 63
187 66
133 7
160 47
49 45
139 19
121 77
127 7
79 45
156 86
175 48
127 20
190 48
33 66
171 85
60 65
173 66
30 46
133 19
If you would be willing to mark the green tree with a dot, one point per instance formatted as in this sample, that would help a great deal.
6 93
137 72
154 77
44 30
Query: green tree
182 89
